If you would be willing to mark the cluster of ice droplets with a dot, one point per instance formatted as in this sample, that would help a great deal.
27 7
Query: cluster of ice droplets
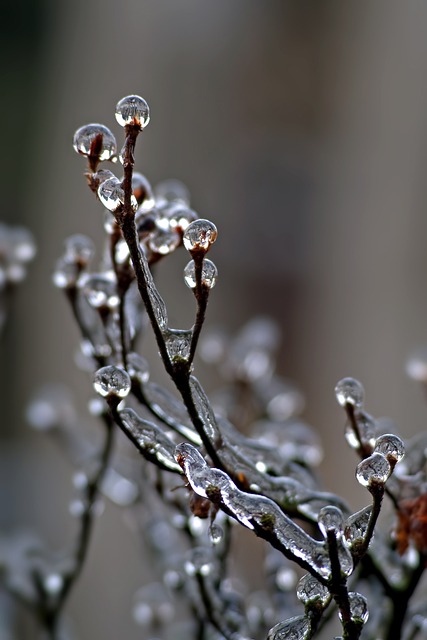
132 110
209 274
112 381
95 140
200 235
331 520
376 468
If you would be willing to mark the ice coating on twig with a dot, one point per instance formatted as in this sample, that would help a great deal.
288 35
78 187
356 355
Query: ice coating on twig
254 511
151 439
204 409
297 628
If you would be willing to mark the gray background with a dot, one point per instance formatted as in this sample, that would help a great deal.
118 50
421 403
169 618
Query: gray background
300 129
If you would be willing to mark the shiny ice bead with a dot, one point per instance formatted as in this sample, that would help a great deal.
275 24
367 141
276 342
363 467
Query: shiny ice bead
312 592
366 427
112 381
137 367
172 191
350 391
358 607
209 274
178 343
331 519
79 249
200 235
215 533
391 447
95 140
132 110
164 242
100 290
112 195
142 191
297 628
373 470
356 526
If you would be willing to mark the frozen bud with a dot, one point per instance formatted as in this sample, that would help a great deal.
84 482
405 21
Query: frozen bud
112 195
100 290
209 274
356 526
350 391
172 191
112 381
358 607
132 110
178 344
95 140
137 367
79 249
331 519
297 628
373 470
200 235
391 447
312 592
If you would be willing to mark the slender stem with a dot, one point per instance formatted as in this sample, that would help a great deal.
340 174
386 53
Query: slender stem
377 498
202 296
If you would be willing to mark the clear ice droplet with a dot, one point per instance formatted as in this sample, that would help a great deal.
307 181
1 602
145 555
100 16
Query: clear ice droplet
356 526
112 381
178 343
132 110
100 290
79 248
373 470
366 427
350 391
358 607
112 195
310 591
297 628
164 242
95 140
216 533
209 274
391 447
331 519
200 235
65 274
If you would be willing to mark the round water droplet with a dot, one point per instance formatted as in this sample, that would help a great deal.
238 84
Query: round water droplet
100 290
112 381
373 470
132 110
142 191
164 242
200 235
53 584
358 607
391 447
331 519
178 343
137 367
349 391
216 533
366 426
79 249
112 195
172 191
310 591
95 140
209 274
297 628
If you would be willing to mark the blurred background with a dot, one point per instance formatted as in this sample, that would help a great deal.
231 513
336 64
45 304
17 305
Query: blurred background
300 128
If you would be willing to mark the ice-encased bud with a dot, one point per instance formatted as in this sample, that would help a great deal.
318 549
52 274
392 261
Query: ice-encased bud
112 381
358 607
209 274
366 426
331 519
142 190
312 592
132 110
178 343
137 367
79 249
200 235
373 470
112 195
164 242
100 290
95 140
356 526
172 191
297 628
391 447
350 391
